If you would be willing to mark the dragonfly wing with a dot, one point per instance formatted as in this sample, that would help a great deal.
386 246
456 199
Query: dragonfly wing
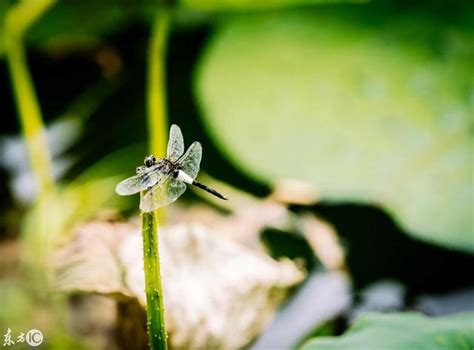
166 191
191 160
175 143
138 182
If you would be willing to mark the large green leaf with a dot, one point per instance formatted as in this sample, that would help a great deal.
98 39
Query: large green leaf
402 331
362 107
227 5
76 24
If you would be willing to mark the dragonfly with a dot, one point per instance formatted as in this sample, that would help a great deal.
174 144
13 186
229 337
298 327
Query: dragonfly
162 181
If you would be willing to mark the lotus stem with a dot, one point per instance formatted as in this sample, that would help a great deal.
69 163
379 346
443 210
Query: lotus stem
157 124
153 289
18 20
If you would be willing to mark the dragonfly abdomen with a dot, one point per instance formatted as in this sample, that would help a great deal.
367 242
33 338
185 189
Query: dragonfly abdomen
208 189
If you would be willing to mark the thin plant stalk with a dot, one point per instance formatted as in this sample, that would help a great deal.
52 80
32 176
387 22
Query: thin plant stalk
153 289
18 20
157 123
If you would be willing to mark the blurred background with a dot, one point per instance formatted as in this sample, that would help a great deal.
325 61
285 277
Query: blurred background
341 131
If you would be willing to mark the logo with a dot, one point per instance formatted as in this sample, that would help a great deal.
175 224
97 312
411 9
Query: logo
34 337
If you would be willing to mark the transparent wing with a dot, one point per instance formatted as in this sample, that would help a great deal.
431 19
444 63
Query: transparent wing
175 143
191 160
139 182
165 192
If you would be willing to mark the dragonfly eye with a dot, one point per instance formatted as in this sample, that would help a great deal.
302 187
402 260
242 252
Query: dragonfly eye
150 161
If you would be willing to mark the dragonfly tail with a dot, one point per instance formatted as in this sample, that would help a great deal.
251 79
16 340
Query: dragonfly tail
208 189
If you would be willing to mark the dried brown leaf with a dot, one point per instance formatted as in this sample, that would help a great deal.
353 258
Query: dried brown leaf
218 293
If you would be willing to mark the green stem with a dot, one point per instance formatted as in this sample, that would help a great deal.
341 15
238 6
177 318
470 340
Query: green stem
154 292
157 120
18 20
157 123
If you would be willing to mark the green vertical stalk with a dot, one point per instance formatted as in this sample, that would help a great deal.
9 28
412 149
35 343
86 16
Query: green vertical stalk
17 21
153 289
157 121
157 124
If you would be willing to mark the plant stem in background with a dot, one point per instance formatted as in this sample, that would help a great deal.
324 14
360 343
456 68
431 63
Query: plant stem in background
157 124
17 21
157 121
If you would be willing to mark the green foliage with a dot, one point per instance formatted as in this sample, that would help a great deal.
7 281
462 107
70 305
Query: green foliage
364 107
3 11
72 24
402 331
233 5
76 23
22 310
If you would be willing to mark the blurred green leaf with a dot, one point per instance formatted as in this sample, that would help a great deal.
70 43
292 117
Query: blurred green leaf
22 310
73 24
402 331
3 10
70 23
57 213
214 5
366 108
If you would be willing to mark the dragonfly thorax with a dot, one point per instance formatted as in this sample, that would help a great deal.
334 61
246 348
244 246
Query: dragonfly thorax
168 167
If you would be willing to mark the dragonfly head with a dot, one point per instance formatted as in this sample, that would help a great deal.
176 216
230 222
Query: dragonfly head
150 161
